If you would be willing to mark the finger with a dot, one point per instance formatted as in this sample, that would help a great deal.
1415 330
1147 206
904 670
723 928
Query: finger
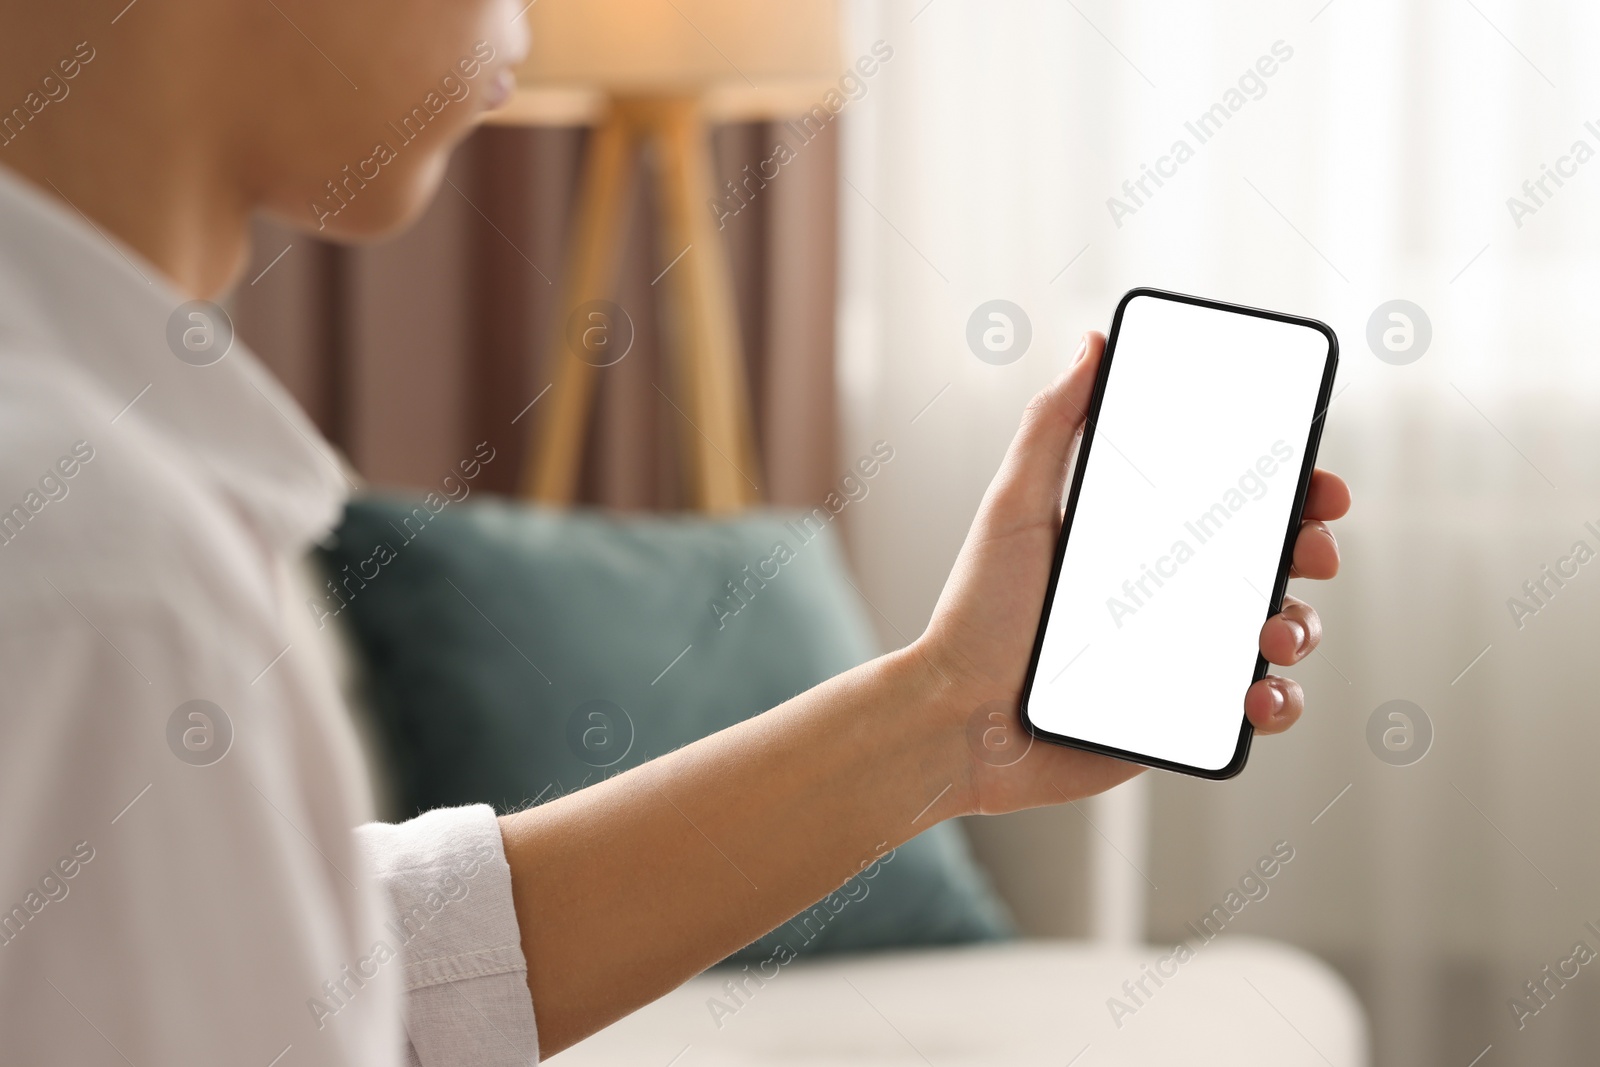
1292 634
1328 497
1274 704
1033 476
1316 553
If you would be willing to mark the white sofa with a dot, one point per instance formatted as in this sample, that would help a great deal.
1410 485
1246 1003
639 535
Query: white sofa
1030 1002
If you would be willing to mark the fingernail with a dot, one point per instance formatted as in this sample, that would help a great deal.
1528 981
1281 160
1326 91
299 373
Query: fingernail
1083 348
1301 635
1278 699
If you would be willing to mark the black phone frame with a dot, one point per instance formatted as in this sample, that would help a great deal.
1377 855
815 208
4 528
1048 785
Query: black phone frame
1286 558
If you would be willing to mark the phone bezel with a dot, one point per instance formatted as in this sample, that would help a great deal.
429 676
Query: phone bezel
1286 558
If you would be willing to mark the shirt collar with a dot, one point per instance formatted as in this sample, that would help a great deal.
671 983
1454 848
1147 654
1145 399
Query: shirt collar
71 292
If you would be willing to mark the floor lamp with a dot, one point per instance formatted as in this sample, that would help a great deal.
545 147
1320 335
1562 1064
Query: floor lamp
654 75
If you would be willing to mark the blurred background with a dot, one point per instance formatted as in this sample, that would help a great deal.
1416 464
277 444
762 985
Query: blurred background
1398 151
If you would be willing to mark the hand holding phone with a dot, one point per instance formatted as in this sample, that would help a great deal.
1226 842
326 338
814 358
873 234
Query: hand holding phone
983 635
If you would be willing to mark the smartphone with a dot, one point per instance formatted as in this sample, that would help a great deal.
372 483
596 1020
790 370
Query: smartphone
1179 531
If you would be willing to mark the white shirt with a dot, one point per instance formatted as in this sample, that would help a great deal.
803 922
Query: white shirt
159 905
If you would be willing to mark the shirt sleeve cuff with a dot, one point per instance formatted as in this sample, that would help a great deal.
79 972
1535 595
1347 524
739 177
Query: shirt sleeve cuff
466 981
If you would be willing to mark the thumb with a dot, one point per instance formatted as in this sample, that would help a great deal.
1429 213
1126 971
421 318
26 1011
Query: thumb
1031 480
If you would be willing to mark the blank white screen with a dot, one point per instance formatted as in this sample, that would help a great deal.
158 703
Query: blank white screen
1179 527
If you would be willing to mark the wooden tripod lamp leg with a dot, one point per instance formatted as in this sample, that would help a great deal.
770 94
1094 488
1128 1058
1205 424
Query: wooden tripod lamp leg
591 273
702 315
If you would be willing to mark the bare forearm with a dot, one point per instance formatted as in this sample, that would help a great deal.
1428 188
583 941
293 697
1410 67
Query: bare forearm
627 888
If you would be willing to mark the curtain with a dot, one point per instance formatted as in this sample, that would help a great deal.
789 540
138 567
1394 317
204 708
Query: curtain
1436 152
409 352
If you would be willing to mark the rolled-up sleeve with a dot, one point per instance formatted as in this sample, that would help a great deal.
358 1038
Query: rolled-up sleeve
466 982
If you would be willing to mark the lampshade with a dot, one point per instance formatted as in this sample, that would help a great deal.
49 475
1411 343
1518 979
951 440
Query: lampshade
681 46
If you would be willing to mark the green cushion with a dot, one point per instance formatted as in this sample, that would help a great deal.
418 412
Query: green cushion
513 655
